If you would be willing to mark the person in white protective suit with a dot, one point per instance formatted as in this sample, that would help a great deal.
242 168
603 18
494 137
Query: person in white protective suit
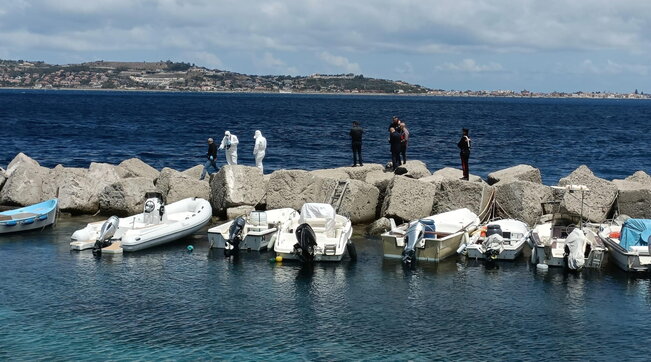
259 149
229 143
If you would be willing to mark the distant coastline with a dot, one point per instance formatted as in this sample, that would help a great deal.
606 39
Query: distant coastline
184 77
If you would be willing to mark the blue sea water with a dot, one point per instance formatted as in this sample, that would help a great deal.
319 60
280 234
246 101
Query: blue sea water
168 304
75 128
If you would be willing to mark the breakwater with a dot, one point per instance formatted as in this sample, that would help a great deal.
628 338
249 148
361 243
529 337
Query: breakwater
372 194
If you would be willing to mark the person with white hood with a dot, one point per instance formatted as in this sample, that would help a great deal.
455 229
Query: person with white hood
259 149
229 142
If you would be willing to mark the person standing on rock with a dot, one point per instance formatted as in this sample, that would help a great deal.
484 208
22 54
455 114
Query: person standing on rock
356 137
394 141
259 150
395 123
229 142
464 146
212 158
404 139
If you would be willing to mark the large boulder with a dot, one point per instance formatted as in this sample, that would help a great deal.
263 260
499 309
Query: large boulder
334 173
195 171
175 186
3 177
408 199
379 179
233 212
293 188
519 172
634 197
448 174
125 197
360 202
24 184
521 200
360 172
71 186
379 226
416 169
457 194
135 167
597 202
236 185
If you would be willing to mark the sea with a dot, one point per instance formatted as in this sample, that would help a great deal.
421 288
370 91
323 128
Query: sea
169 303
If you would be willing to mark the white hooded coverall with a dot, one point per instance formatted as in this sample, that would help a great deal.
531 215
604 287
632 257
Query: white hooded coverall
229 142
259 149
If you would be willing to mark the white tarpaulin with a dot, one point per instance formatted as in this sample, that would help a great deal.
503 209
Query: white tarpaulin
576 243
320 215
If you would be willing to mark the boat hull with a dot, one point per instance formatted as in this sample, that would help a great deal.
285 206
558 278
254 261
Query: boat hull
625 260
432 250
29 218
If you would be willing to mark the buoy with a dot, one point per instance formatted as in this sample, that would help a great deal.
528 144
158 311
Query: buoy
279 259
190 248
541 266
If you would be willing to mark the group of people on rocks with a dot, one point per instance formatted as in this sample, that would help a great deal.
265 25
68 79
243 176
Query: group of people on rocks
229 144
399 140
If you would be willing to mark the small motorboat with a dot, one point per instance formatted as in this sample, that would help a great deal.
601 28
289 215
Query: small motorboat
319 234
256 231
629 244
29 217
156 225
497 240
565 240
432 238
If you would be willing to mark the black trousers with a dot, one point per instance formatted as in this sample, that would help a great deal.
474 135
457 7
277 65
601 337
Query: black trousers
395 159
357 153
464 164
403 152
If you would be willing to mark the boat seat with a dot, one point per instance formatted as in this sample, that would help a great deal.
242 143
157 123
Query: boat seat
22 215
5 217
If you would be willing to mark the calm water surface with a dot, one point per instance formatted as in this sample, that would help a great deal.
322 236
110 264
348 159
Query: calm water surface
166 303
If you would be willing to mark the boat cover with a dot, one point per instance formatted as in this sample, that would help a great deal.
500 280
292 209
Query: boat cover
311 211
455 220
635 232
576 243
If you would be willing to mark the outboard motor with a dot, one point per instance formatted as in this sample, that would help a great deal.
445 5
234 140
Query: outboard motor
493 246
234 237
107 231
414 235
154 208
304 248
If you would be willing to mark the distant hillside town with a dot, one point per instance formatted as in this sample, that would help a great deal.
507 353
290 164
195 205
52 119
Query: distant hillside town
175 76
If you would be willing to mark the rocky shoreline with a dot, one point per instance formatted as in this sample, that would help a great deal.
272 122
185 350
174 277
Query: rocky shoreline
372 196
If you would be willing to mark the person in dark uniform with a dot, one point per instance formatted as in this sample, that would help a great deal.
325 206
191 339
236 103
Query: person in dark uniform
212 158
356 137
395 124
464 146
395 141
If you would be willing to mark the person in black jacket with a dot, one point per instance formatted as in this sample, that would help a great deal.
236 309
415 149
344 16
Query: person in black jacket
395 141
212 158
464 146
356 138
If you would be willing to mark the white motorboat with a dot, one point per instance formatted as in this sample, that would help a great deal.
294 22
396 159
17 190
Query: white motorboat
156 225
255 231
498 240
628 244
319 234
433 238
564 240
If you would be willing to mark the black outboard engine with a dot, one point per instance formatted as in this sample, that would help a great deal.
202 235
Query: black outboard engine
107 231
304 248
234 237
414 235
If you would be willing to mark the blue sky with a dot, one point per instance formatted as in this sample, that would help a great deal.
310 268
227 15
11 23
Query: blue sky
544 46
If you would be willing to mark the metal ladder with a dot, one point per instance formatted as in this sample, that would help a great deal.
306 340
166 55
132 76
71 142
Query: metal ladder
338 193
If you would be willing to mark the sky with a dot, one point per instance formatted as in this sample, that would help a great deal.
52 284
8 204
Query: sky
535 45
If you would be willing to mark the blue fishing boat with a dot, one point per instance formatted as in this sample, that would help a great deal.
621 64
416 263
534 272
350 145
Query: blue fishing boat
29 217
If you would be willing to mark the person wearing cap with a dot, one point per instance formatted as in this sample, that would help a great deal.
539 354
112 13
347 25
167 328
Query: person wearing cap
259 149
464 146
229 142
212 158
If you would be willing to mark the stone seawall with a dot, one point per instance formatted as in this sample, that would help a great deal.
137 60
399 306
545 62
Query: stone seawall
372 194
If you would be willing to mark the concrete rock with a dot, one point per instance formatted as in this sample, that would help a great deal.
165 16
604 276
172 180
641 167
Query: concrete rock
408 199
3 177
379 179
236 185
360 202
73 188
175 186
125 197
598 200
293 188
233 212
521 200
634 197
457 194
519 172
416 169
379 226
360 172
24 184
334 173
135 167
194 172
448 174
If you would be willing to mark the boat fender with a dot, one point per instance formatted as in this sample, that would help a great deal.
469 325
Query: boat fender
462 249
352 252
534 255
279 259
28 221
272 241
190 248
542 267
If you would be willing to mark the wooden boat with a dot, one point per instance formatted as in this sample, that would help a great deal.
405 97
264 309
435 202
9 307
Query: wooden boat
29 218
